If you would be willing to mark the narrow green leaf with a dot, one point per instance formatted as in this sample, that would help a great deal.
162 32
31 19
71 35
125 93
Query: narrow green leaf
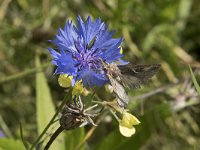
74 138
195 81
45 107
11 144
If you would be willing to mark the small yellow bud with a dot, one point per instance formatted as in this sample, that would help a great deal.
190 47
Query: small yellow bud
109 88
64 80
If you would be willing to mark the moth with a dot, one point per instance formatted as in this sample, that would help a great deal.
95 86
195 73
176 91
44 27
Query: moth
128 76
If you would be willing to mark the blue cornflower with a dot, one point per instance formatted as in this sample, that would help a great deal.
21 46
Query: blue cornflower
81 49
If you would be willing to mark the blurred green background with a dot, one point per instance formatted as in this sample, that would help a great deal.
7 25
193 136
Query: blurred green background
158 31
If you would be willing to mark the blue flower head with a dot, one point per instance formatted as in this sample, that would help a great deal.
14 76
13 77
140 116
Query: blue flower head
81 50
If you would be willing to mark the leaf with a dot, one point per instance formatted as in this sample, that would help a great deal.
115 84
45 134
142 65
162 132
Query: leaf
74 138
45 107
195 81
11 144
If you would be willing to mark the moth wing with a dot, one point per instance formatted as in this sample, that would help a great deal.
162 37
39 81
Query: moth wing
122 97
131 82
135 75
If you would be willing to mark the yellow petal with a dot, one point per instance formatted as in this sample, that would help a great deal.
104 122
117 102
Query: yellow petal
86 92
78 88
64 80
126 131
121 50
129 120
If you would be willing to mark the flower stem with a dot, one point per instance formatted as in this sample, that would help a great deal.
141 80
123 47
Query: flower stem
68 96
113 113
53 137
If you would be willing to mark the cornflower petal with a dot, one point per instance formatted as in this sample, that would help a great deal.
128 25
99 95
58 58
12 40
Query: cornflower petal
80 50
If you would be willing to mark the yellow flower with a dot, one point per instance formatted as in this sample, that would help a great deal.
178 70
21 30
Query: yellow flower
65 80
126 125
79 89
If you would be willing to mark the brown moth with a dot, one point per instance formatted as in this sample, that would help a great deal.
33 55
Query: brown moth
129 76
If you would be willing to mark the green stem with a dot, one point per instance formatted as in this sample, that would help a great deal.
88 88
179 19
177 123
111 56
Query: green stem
116 117
24 73
68 96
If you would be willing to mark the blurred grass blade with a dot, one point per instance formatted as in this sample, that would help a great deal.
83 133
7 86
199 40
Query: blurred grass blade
11 144
45 107
74 138
183 13
194 81
5 128
22 137
23 4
